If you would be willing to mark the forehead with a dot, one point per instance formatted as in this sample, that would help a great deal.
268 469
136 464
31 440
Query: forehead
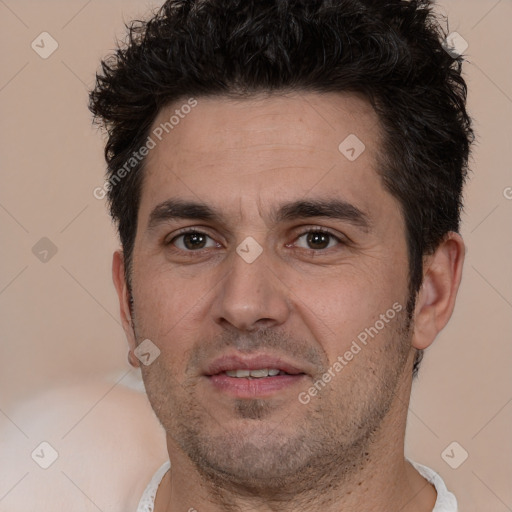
262 148
311 119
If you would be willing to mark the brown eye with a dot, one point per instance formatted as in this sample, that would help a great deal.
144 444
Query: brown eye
192 241
319 240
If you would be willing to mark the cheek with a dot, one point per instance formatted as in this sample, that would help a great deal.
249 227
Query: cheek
168 308
339 306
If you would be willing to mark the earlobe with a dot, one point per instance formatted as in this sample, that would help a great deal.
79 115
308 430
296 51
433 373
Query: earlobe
132 359
436 299
118 276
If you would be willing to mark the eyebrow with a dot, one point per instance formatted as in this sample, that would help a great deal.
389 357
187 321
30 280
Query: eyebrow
173 209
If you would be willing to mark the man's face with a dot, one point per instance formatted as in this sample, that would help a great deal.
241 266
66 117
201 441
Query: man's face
256 288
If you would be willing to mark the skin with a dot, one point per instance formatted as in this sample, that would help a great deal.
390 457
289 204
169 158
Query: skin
300 299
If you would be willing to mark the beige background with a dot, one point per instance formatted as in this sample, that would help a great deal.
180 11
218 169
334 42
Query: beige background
64 378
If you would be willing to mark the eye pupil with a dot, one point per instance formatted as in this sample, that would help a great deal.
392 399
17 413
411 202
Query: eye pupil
196 240
321 239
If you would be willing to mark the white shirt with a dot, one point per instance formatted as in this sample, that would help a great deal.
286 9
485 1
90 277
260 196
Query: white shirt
446 501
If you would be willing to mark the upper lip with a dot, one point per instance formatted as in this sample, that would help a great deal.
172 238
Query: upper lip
251 362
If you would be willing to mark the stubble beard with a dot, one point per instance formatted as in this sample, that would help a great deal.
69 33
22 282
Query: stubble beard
271 453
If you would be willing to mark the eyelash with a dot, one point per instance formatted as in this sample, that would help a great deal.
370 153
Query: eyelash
188 231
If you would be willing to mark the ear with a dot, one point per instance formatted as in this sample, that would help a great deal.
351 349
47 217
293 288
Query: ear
436 299
118 276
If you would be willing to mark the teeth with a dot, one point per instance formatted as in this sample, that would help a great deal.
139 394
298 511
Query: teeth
257 374
238 373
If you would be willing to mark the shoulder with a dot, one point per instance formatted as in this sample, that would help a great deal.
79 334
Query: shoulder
446 501
147 501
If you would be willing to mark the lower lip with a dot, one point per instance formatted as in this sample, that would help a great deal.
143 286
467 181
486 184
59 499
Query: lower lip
254 388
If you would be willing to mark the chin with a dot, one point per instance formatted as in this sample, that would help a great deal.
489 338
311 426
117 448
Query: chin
249 453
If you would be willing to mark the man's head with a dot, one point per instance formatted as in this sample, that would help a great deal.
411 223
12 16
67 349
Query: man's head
266 122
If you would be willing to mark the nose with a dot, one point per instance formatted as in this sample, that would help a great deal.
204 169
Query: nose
252 296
